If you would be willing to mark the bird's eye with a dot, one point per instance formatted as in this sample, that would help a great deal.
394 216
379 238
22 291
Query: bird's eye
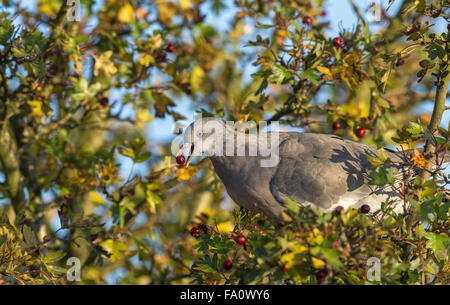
199 134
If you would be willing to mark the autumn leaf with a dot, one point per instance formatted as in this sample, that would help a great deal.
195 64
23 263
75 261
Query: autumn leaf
36 108
104 64
126 14
418 159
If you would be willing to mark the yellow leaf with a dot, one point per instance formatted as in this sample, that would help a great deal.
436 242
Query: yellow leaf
318 263
166 10
146 59
143 117
126 14
225 227
155 42
76 62
289 259
418 159
324 70
95 197
114 248
197 77
103 63
345 79
36 108
185 4
129 152
167 160
184 174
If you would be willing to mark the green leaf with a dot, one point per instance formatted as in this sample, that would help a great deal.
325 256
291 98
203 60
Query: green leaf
415 128
382 158
437 242
311 76
29 237
292 206
54 256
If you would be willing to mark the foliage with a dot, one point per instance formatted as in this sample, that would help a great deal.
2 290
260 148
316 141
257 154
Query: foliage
76 98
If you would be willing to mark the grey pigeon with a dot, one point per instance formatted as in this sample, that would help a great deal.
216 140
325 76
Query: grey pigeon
312 169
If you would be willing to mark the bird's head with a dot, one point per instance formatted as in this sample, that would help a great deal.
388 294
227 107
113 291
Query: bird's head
204 136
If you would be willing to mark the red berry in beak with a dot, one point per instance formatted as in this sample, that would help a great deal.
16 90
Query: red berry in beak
181 160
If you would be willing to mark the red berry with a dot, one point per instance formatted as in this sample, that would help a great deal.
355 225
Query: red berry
365 209
400 62
284 268
336 245
240 240
376 50
360 132
195 231
336 125
323 13
307 20
227 265
338 209
181 159
170 47
104 102
338 41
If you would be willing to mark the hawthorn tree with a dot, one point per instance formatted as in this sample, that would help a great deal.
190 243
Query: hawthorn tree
76 96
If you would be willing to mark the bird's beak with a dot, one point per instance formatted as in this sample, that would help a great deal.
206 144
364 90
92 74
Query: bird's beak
186 145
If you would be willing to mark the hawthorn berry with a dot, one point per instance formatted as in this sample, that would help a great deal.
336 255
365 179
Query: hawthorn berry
181 159
284 268
307 20
240 240
365 209
336 245
170 47
336 125
375 51
338 41
360 132
104 102
195 231
338 209
227 265
400 62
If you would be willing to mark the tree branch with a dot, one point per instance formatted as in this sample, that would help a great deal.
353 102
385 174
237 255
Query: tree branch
436 117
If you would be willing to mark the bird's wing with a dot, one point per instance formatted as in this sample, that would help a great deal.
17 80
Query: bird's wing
322 169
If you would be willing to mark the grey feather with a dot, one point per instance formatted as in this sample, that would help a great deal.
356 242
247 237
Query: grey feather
319 169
